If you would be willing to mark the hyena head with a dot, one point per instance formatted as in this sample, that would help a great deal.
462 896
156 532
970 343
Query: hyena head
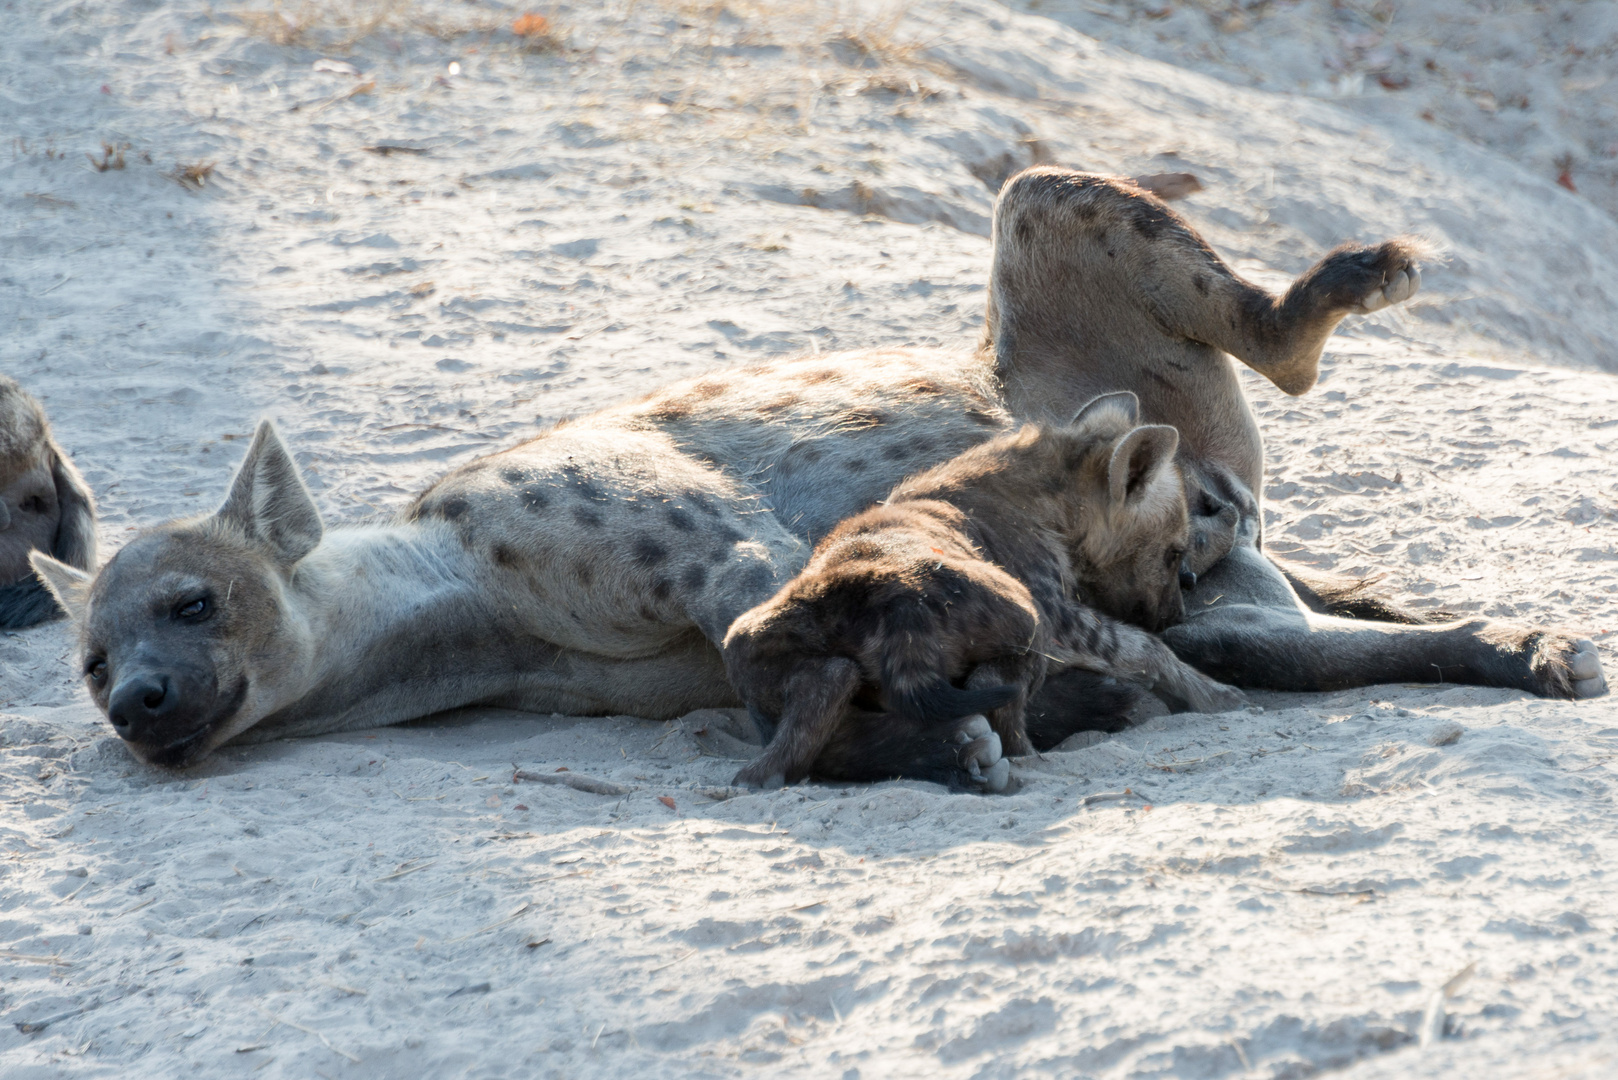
1131 529
44 506
185 637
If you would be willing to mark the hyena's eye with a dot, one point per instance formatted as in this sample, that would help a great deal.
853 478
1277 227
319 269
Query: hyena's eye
192 609
97 671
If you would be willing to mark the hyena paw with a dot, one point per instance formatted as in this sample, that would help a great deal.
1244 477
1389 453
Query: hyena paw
980 754
1568 667
1204 695
1399 286
760 773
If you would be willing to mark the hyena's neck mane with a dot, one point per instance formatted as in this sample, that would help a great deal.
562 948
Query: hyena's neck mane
394 617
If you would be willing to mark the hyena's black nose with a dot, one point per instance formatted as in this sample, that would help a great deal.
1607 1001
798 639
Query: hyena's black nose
1188 580
140 702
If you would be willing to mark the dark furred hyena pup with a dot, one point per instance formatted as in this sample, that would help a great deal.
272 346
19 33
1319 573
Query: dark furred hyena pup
44 506
954 596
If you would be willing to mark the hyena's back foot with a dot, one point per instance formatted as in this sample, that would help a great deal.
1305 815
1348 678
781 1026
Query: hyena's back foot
1366 279
1567 667
1550 663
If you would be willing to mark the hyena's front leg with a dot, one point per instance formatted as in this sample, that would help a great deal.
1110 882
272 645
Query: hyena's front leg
1275 644
1007 722
1094 642
815 700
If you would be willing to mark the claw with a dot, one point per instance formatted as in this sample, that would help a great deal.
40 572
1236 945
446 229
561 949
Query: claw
1585 663
984 750
1396 290
1589 688
975 727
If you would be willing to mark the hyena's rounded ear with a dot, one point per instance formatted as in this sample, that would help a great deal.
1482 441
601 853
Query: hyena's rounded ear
1139 460
1123 403
268 501
69 584
76 532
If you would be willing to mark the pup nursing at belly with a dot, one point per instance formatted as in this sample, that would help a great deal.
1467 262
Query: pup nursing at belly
955 596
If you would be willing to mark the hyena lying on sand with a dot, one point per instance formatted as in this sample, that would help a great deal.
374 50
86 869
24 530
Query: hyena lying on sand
596 568
44 506
953 596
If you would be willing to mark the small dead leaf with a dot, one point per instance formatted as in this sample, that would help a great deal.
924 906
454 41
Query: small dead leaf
666 801
531 24
194 175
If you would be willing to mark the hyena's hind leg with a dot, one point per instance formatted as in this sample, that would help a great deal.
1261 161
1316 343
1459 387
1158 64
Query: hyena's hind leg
815 700
1056 229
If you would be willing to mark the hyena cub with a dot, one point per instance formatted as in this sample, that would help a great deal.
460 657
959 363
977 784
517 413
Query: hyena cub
953 597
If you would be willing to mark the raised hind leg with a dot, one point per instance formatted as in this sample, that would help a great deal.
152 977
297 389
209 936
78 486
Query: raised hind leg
1099 247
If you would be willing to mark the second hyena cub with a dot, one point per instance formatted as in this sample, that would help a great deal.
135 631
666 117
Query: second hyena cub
953 597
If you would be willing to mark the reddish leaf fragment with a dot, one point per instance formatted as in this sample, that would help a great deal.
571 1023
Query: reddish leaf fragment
666 801
531 24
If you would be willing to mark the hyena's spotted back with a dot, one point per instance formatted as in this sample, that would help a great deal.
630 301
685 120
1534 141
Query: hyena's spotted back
617 534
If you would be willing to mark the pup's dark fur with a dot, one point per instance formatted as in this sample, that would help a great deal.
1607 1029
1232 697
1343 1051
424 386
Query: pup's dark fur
952 597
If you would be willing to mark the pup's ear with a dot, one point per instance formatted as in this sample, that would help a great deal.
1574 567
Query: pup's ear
1138 460
69 584
76 533
1123 402
268 501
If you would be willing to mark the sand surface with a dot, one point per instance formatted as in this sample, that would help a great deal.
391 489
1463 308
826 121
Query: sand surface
667 189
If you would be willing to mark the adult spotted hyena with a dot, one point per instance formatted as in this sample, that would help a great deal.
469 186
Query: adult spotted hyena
596 568
954 595
44 506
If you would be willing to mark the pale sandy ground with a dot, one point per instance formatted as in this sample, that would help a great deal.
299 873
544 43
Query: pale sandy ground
1286 895
1534 79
